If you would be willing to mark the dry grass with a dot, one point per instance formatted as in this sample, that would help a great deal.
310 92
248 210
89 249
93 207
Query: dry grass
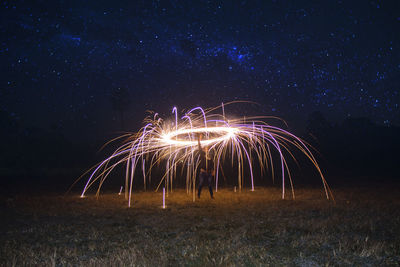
247 228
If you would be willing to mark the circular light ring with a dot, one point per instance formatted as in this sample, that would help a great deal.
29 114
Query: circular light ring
225 133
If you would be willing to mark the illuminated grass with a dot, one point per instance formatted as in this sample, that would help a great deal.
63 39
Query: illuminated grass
248 228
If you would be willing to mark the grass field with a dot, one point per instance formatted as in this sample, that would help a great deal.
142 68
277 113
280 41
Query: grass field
235 229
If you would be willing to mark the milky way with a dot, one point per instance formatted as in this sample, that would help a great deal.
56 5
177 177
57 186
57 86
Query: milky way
60 60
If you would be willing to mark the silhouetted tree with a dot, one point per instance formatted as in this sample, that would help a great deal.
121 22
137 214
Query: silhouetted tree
317 125
120 101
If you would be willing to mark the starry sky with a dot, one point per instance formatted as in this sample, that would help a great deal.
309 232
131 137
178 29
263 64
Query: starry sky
61 60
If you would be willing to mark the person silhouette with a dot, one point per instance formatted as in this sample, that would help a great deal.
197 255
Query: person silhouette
206 168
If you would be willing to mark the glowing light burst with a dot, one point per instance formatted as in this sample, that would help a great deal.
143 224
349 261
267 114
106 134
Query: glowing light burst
175 144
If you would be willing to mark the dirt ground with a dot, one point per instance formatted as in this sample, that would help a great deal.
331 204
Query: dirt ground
235 229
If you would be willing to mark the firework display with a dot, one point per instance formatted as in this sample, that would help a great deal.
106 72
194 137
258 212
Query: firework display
173 146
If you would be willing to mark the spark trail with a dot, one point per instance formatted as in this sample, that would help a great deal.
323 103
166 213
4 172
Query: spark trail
175 144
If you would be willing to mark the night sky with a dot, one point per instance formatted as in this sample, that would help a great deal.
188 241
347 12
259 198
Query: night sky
62 60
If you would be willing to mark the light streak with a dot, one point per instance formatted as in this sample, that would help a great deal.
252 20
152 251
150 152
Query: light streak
163 197
247 140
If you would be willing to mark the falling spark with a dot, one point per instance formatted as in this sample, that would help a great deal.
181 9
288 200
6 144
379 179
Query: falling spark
247 140
163 198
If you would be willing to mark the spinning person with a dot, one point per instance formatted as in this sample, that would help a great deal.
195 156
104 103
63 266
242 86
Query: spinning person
206 168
